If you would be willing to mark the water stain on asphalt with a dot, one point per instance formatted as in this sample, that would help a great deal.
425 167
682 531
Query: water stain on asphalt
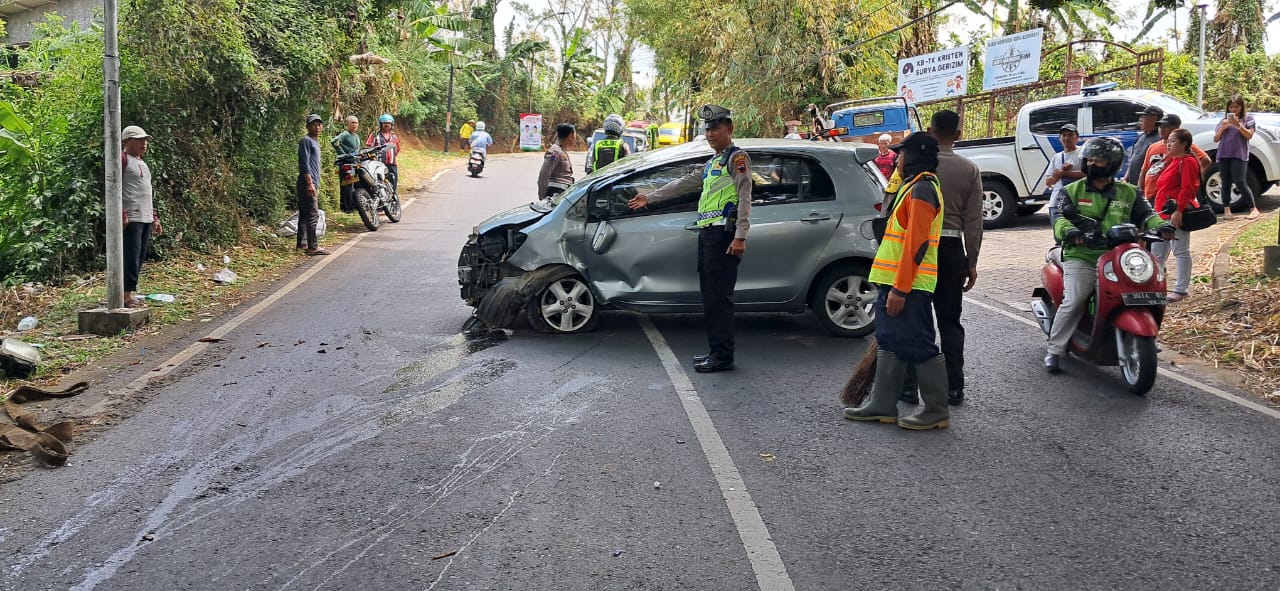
443 358
446 395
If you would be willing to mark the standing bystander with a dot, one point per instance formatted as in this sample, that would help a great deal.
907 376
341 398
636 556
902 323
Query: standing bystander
308 187
385 135
1147 119
1152 166
1175 190
347 142
1233 134
1064 169
141 220
885 157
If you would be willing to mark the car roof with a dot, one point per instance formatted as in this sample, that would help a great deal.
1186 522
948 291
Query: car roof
860 151
1144 95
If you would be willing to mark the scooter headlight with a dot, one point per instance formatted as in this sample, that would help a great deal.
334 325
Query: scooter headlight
1137 265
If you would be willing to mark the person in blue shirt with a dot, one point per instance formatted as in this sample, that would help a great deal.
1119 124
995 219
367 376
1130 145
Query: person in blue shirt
480 139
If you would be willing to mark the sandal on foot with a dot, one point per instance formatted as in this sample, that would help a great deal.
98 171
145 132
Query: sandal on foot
314 252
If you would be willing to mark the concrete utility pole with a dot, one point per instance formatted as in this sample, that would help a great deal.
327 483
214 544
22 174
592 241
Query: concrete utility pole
111 135
1200 83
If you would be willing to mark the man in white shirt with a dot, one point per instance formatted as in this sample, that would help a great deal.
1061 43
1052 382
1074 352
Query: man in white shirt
1064 168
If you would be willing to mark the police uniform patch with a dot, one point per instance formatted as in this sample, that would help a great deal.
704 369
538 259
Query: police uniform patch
740 162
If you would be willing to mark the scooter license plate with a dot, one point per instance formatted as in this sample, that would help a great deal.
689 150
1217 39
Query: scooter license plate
1145 298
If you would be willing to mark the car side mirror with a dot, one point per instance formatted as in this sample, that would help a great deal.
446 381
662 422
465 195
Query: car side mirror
602 238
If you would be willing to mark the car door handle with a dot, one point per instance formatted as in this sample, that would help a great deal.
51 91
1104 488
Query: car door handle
815 217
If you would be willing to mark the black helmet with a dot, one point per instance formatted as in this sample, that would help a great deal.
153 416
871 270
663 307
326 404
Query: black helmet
1104 148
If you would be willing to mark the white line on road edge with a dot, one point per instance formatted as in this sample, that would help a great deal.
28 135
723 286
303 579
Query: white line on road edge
196 348
1173 375
433 179
771 573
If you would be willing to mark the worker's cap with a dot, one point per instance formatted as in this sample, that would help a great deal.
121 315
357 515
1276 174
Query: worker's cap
919 144
1170 120
312 118
133 132
714 115
1069 127
1152 110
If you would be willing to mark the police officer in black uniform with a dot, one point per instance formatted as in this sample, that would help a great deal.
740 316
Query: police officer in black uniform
724 210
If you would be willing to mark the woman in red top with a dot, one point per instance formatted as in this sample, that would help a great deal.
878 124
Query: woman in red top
1176 189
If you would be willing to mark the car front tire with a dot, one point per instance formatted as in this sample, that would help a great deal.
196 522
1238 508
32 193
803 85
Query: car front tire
564 306
844 301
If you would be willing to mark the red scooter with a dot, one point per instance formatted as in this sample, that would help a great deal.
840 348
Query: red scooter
1123 314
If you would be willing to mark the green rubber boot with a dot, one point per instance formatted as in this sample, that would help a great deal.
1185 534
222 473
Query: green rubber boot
882 405
933 392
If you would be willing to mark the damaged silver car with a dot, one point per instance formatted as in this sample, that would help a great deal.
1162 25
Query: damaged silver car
561 262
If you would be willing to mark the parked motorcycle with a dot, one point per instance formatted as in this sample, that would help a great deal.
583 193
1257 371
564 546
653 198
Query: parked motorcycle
475 165
1123 315
372 190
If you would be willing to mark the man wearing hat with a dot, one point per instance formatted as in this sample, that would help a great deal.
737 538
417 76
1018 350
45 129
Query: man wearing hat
906 271
141 220
1064 168
308 188
1147 118
724 210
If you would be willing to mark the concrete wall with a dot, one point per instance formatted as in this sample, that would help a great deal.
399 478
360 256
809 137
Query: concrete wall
21 26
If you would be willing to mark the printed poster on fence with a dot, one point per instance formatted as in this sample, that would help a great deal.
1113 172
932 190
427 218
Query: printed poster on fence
1012 60
530 132
934 76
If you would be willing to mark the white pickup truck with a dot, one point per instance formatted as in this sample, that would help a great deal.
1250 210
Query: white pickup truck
1013 168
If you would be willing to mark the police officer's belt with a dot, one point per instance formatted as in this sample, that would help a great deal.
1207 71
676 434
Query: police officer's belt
952 233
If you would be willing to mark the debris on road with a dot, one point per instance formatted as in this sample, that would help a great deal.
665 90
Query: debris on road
45 443
657 485
617 553
210 340
445 555
679 442
768 457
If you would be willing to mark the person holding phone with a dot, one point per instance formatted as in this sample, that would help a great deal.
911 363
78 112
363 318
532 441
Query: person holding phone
1233 134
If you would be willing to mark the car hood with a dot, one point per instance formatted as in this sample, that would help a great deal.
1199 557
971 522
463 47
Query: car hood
521 215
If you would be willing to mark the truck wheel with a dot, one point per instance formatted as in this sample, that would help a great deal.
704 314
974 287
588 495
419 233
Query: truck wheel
1212 187
999 204
844 301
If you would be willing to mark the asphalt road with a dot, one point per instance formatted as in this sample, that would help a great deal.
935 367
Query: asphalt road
385 451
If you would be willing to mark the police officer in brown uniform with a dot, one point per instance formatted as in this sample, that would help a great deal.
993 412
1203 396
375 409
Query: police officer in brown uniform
958 247
724 209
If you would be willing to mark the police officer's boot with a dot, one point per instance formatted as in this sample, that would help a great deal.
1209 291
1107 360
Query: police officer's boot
933 391
883 403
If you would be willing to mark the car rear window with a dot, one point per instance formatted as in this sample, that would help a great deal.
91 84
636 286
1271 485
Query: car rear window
1049 120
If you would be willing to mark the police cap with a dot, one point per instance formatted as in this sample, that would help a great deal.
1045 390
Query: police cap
714 115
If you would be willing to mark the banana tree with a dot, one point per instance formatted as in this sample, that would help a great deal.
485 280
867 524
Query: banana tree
441 35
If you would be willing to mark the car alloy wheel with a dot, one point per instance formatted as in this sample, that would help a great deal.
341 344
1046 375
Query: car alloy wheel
566 306
849 302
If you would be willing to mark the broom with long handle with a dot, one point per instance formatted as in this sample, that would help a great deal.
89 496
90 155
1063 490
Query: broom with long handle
859 385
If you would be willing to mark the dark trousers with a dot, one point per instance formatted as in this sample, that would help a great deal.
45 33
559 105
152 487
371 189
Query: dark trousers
909 335
1235 172
137 237
717 276
344 195
948 299
306 217
394 171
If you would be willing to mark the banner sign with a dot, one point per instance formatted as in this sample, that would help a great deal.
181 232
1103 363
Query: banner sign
530 132
1012 60
934 76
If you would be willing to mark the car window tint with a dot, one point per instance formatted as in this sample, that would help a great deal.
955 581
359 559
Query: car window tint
786 178
610 202
1114 115
1049 120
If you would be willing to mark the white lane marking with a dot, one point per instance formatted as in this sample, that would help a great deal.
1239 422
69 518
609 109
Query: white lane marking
433 179
196 348
771 573
1173 375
